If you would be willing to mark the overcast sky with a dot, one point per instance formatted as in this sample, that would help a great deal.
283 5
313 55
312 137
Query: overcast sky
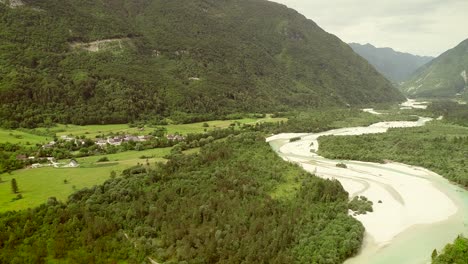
421 27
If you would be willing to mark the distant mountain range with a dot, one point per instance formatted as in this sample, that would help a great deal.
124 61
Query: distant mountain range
115 61
445 76
396 66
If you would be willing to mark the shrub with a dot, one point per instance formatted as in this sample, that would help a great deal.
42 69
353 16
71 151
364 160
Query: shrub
341 165
295 139
18 197
360 205
103 159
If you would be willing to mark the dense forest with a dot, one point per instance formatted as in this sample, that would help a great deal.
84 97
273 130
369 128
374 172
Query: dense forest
440 147
451 111
100 62
218 206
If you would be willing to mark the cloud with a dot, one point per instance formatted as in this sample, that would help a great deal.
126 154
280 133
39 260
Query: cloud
423 27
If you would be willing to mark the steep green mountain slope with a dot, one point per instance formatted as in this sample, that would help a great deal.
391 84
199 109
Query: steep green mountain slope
214 207
396 66
112 61
445 76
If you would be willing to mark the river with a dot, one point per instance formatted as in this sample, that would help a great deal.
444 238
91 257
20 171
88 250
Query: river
415 210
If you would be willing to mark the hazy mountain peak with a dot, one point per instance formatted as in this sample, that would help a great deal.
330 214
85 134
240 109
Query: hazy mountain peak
367 45
396 66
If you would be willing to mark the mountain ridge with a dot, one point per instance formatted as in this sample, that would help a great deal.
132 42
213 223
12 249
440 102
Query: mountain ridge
445 76
395 65
199 58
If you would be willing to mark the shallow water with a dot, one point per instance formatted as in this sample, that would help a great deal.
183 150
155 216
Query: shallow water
415 244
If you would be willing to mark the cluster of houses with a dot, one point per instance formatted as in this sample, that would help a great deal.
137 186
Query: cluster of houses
52 163
77 141
115 140
118 140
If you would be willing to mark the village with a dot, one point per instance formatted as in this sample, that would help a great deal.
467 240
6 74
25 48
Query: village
113 140
102 143
66 149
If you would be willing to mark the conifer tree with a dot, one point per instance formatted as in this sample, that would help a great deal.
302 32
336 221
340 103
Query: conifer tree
14 186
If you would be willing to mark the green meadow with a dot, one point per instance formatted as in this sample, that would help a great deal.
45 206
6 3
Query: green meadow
16 136
91 131
37 185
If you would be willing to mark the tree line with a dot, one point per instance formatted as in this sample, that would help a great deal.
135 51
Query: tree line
440 147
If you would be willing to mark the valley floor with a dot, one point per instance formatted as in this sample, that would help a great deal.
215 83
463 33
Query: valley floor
37 185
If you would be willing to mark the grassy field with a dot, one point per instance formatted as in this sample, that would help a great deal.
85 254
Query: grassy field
91 131
15 136
36 185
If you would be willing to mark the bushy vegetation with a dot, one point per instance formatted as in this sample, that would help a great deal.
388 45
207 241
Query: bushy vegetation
438 146
190 60
210 207
341 165
361 205
451 111
103 159
295 139
453 253
8 157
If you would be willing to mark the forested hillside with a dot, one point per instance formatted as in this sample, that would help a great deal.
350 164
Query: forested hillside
224 205
115 61
445 76
396 66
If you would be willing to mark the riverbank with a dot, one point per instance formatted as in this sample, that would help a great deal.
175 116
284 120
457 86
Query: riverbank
401 193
